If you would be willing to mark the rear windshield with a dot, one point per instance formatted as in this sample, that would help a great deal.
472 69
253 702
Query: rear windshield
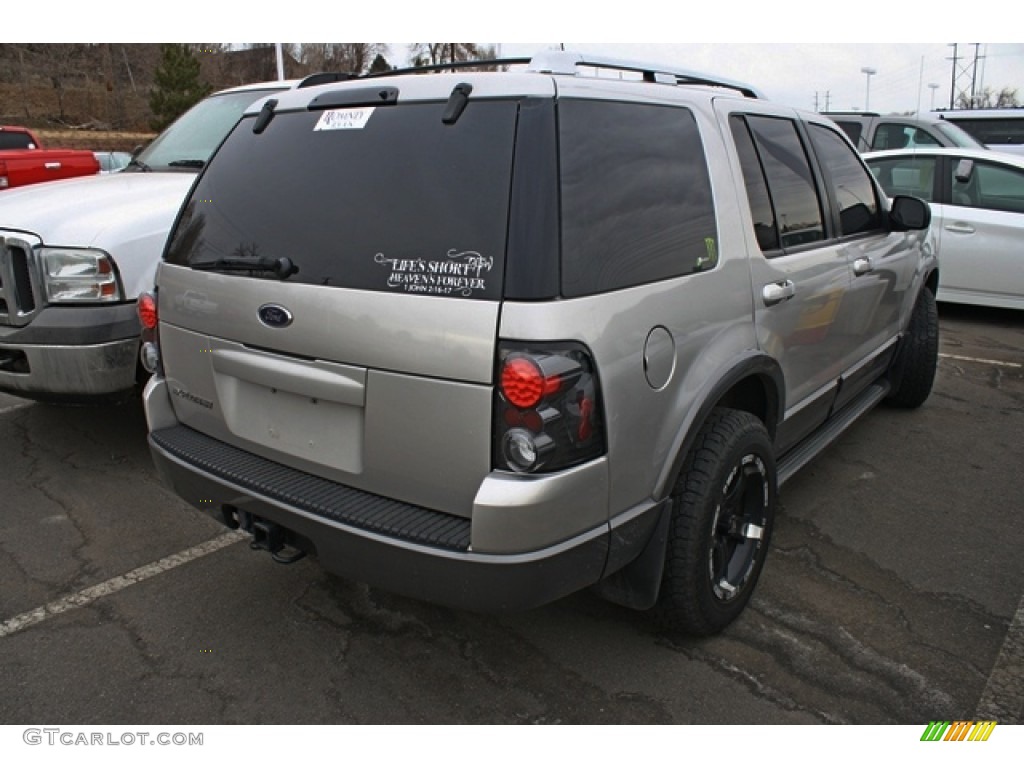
385 198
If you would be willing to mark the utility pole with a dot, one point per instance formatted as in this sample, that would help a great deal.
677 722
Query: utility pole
964 87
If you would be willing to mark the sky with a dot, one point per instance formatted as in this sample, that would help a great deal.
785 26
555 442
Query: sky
816 76
807 55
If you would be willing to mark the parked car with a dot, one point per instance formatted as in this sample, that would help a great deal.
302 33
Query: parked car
977 201
871 131
75 254
489 338
999 129
24 160
112 162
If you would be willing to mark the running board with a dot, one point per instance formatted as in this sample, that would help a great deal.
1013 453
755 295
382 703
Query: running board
830 430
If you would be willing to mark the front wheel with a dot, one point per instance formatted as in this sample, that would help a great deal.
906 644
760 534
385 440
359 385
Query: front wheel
723 507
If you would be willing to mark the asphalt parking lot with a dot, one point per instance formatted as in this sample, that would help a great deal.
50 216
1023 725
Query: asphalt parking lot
892 595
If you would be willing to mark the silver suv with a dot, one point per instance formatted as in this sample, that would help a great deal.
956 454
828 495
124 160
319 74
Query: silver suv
488 338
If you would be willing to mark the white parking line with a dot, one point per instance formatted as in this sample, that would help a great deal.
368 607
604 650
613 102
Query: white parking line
1003 363
1003 697
116 584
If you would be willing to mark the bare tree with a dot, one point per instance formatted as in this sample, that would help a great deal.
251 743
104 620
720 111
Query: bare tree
341 57
989 99
432 54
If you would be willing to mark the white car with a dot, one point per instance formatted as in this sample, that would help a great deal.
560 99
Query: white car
112 162
977 201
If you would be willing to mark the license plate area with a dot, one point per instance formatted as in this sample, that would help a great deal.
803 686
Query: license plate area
312 411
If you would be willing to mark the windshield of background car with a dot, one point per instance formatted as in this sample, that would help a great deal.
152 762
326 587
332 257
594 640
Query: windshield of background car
386 198
191 139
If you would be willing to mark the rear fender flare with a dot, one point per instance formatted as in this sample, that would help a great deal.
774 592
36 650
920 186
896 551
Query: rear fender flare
756 367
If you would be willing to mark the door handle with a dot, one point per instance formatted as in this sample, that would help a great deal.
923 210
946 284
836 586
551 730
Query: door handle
863 265
961 227
776 293
52 166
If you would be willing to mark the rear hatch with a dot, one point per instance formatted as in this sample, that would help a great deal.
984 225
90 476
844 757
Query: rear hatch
331 292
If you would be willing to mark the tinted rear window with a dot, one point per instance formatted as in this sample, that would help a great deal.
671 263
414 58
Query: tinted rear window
386 198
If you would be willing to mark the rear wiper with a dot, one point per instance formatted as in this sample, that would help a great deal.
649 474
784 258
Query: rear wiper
282 268
187 163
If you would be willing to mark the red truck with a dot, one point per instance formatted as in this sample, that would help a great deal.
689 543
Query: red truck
24 161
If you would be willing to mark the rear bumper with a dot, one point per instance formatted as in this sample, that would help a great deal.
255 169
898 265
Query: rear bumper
389 544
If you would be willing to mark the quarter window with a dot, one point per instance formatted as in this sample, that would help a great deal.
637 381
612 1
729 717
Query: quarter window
636 196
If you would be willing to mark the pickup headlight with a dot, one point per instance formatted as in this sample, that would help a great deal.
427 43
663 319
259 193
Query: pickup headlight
79 275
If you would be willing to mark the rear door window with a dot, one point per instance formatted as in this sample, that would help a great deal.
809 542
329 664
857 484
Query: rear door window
385 198
779 162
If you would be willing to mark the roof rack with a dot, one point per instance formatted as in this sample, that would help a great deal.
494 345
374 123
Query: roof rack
555 63
566 63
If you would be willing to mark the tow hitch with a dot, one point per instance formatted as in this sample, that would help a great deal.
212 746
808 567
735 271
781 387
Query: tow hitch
266 535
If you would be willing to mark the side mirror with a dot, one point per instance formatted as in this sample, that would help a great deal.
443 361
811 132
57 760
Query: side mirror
964 170
909 213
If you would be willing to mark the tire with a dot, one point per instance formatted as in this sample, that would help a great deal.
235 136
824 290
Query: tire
723 508
914 371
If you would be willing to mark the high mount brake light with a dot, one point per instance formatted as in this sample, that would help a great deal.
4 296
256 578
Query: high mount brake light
547 408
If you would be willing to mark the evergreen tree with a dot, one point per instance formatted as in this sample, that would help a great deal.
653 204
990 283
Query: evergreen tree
177 85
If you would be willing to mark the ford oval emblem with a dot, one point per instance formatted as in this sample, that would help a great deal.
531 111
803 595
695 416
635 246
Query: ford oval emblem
274 316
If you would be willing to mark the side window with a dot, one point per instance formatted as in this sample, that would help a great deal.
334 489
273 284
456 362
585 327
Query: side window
781 166
922 138
851 129
994 187
636 196
905 176
757 188
891 136
850 183
1008 130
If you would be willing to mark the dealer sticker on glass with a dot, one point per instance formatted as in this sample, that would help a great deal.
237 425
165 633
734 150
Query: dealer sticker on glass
344 119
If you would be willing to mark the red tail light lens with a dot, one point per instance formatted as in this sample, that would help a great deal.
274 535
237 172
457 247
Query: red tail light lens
146 307
547 414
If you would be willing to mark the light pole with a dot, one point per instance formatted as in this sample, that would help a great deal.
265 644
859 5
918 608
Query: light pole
934 87
869 71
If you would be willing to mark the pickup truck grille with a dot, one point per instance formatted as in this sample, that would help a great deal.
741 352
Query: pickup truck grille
17 301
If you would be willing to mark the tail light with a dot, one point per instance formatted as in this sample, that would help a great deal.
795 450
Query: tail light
547 410
149 318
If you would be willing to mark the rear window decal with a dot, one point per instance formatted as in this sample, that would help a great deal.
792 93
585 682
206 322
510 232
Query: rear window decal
462 273
353 119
